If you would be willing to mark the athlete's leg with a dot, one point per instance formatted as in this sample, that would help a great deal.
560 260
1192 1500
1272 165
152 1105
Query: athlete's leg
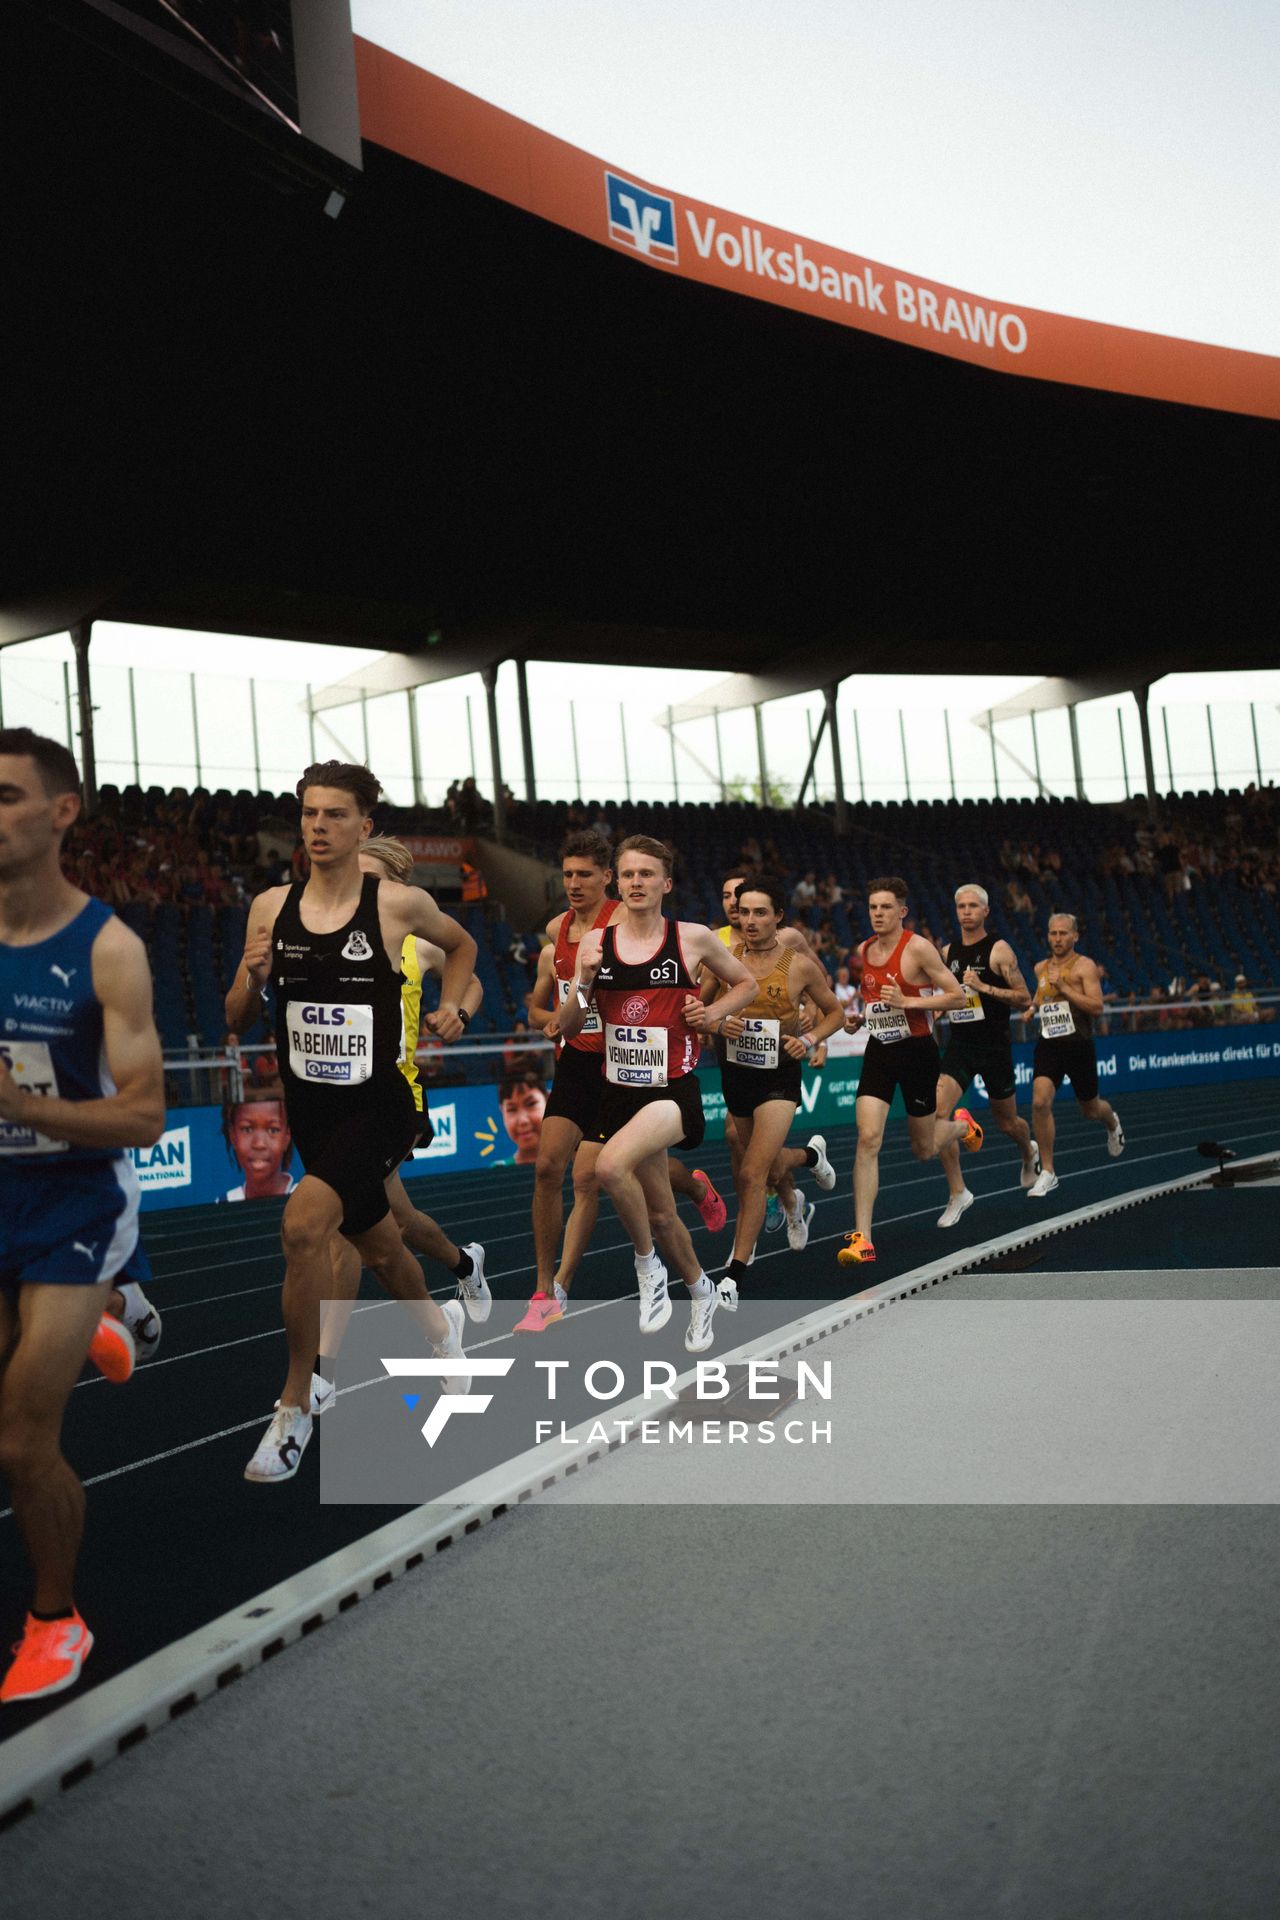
765 1132
555 1149
54 1327
735 1145
582 1218
418 1230
949 1091
1009 1120
654 1129
686 1184
669 1230
872 1114
1042 1097
312 1217
382 1248
335 1309
928 1135
1100 1110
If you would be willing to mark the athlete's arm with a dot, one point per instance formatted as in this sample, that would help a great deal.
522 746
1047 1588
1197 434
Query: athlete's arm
412 910
939 975
244 996
132 1116
699 943
1085 991
542 1009
432 959
590 953
793 937
810 978
1004 962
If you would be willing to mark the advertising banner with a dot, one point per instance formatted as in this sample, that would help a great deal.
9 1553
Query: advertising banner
417 114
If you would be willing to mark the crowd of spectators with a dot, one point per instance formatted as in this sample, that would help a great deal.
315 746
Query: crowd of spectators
184 849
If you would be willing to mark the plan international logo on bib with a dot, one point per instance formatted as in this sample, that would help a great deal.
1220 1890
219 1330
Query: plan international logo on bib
641 219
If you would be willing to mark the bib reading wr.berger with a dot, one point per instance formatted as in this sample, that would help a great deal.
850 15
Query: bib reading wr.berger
758 1045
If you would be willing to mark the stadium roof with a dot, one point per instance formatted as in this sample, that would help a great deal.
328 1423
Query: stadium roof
444 426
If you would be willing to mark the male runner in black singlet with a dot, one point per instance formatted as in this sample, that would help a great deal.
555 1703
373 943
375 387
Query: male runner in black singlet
330 948
979 1041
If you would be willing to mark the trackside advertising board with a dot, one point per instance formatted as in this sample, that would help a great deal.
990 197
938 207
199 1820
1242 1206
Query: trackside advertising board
196 1162
424 118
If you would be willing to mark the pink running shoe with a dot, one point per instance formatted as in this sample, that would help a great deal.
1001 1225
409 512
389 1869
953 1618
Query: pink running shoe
543 1312
713 1210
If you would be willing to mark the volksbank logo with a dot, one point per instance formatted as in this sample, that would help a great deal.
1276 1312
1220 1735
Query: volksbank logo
641 219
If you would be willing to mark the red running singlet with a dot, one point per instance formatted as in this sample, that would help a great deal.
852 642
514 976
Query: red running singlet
642 1005
876 978
590 1037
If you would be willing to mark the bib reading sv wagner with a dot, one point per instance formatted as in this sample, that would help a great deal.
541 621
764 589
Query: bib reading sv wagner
887 1024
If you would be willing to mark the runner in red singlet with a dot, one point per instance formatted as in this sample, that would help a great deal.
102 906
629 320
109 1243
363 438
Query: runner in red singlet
899 970
639 975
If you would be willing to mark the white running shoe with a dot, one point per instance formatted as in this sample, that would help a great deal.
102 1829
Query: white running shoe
1115 1147
281 1446
474 1290
798 1224
728 1291
562 1299
824 1173
698 1336
450 1348
142 1321
1045 1183
1031 1169
655 1301
323 1395
958 1203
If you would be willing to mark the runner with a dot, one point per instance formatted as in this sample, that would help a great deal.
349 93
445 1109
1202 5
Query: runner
979 1043
901 1053
81 1052
572 1113
389 859
638 974
761 1069
331 948
1068 1001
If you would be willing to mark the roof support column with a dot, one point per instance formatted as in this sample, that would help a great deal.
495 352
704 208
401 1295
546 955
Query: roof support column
832 718
80 635
763 763
814 744
526 734
1141 695
1075 752
415 751
490 677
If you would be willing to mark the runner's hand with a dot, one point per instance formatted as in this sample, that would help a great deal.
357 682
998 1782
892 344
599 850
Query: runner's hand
852 1021
808 1018
551 1031
12 1095
891 994
734 1027
972 981
590 954
444 1022
696 1013
257 958
795 1047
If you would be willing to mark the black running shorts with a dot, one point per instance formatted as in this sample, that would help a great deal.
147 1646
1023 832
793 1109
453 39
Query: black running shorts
1074 1059
910 1064
746 1088
355 1147
577 1089
964 1057
618 1104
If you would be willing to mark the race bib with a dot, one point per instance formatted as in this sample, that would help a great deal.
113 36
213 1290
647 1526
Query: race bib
1056 1020
887 1024
758 1045
591 1024
31 1064
635 1056
329 1041
972 1009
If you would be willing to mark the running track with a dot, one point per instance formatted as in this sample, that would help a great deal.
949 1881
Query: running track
175 1535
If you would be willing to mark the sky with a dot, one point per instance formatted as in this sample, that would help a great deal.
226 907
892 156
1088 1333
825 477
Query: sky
1119 164
1115 163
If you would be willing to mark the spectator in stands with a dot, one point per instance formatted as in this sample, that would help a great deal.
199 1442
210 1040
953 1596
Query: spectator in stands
805 893
1017 899
846 993
1169 864
749 852
1244 1008
834 896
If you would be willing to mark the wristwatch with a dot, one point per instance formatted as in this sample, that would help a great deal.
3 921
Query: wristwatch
465 1018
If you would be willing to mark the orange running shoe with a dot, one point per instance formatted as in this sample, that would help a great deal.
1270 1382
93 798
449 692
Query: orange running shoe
543 1312
713 1210
857 1249
112 1349
48 1658
975 1136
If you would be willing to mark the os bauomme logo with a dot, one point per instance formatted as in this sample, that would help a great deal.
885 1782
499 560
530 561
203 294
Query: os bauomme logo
640 219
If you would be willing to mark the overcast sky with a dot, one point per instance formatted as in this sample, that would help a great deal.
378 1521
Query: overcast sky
1115 162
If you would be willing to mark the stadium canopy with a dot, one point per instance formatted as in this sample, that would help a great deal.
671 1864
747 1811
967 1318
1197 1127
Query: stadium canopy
481 415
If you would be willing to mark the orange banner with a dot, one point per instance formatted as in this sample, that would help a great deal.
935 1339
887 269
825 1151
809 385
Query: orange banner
444 850
426 119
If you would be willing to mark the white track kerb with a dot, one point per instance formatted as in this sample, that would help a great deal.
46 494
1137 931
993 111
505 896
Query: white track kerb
84 1735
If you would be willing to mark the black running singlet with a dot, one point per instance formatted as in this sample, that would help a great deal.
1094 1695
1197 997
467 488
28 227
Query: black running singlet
339 1020
983 1017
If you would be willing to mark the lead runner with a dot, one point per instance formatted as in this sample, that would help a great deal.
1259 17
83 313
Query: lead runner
331 949
640 974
